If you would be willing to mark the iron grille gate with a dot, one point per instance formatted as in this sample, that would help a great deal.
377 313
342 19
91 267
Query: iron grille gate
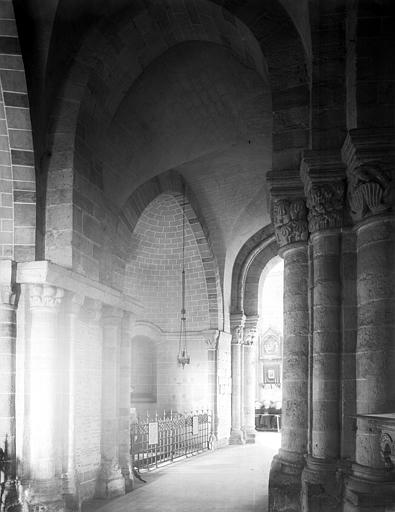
161 440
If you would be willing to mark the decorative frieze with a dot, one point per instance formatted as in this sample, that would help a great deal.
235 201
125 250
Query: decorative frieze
289 217
369 190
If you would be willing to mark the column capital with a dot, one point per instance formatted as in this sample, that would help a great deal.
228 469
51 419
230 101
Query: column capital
45 296
9 290
250 330
74 302
369 155
323 175
237 322
288 207
211 338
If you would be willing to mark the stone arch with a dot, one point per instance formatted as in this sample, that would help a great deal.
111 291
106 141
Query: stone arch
17 172
250 262
172 183
84 97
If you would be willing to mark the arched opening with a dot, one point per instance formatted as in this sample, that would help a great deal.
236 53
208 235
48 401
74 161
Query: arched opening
269 345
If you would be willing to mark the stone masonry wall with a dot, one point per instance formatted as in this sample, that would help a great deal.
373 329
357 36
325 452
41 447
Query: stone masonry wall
154 276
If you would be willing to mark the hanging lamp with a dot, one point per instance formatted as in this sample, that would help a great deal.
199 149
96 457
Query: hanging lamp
183 356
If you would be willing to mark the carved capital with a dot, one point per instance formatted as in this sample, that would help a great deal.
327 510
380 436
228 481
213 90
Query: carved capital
369 189
289 217
237 323
9 295
212 339
250 335
9 289
45 296
325 202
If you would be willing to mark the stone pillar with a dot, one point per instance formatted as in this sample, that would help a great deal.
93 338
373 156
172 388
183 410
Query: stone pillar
124 400
324 187
73 305
45 486
111 482
211 340
8 305
249 378
370 167
289 218
237 325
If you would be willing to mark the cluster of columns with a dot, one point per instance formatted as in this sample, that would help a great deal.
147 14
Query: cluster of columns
243 374
322 353
50 479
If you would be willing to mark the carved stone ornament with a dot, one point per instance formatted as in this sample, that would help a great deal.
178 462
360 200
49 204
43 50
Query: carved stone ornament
250 336
290 221
325 203
369 190
8 295
43 295
237 335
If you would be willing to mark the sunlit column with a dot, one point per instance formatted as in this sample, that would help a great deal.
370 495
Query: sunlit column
111 482
44 360
249 378
7 370
237 325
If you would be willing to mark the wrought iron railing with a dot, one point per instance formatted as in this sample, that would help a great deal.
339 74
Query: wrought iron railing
155 441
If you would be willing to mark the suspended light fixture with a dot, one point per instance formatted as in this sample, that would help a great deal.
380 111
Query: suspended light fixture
183 356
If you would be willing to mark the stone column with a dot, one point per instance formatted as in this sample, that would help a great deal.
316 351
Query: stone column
249 378
73 303
289 218
7 370
376 292
111 482
237 325
370 167
211 340
45 489
324 187
124 400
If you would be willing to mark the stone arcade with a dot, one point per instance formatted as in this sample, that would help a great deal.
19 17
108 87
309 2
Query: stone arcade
276 117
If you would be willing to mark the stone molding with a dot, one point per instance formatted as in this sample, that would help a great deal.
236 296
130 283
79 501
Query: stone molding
40 272
323 175
45 296
290 221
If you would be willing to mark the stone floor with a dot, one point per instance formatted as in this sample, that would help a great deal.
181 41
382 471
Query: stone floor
232 479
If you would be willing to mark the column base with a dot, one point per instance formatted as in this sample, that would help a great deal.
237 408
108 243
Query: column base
369 490
322 486
110 483
249 435
285 482
43 496
236 437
